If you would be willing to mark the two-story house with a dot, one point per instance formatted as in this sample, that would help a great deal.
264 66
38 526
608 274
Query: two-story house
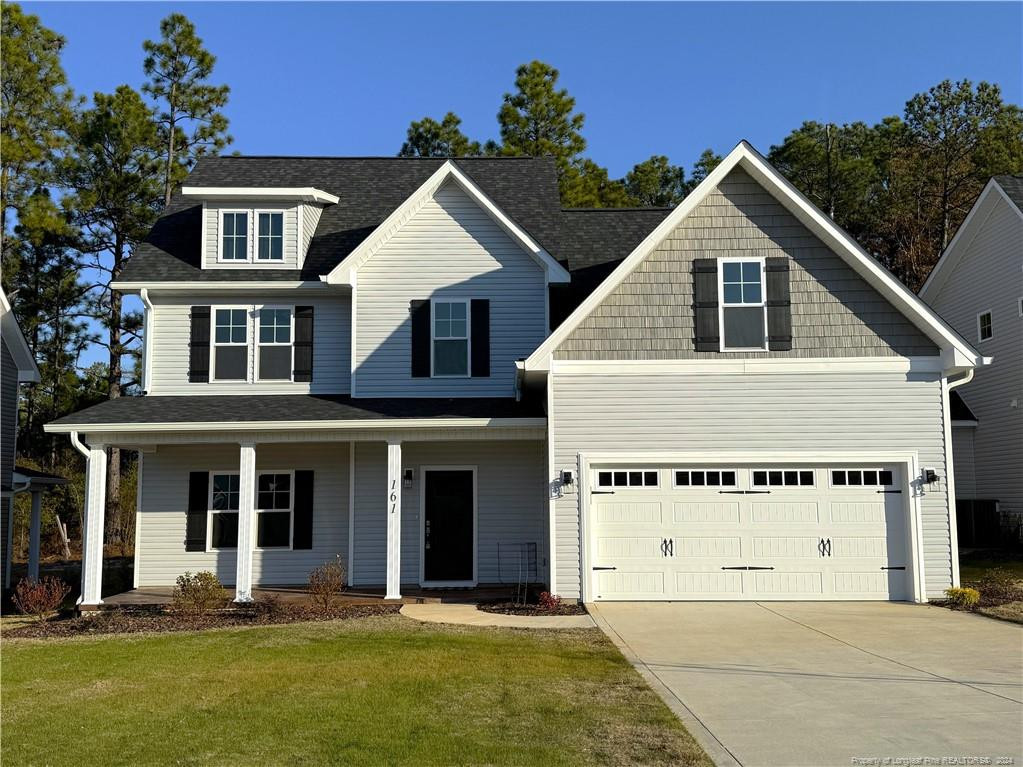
977 286
422 363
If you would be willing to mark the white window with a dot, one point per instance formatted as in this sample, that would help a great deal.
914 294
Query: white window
783 478
230 347
861 478
628 478
234 237
222 519
270 236
705 478
743 308
985 326
275 336
450 340
274 507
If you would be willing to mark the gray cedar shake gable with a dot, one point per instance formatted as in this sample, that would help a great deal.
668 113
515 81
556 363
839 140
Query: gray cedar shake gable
835 313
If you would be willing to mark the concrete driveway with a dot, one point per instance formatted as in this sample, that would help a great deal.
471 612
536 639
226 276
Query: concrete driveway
798 683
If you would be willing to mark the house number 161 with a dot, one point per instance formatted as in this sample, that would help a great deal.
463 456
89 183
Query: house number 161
394 495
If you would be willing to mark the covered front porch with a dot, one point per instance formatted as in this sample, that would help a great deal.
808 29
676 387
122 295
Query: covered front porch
451 508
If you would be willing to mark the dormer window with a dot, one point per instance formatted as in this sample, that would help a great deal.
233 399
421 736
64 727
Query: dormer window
270 236
235 241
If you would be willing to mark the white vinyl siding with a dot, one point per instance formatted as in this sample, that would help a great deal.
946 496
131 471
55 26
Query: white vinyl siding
987 277
161 533
450 249
213 242
864 412
331 346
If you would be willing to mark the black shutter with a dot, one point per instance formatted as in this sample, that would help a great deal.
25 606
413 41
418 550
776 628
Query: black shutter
195 522
705 305
480 308
303 529
779 309
303 343
199 346
420 311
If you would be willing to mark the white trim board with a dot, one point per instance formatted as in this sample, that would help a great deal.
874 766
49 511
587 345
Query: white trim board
344 273
380 424
755 365
301 193
220 286
960 354
28 371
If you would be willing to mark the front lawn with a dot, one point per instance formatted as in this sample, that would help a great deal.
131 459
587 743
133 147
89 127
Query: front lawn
382 690
976 570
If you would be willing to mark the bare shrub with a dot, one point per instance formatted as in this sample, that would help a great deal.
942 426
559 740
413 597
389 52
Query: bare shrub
39 598
327 581
998 586
198 594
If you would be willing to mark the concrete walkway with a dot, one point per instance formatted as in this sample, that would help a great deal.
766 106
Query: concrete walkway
788 684
468 615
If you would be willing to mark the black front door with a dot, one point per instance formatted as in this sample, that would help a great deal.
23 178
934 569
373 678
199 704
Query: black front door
448 532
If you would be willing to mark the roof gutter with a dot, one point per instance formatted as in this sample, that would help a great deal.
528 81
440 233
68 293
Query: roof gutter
76 443
331 425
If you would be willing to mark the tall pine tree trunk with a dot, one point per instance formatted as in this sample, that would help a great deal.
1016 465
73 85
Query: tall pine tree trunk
167 186
113 520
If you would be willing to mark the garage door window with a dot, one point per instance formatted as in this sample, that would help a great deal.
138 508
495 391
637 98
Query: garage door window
783 478
861 478
705 478
627 478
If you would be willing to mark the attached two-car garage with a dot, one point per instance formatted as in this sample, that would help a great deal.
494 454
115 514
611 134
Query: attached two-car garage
672 531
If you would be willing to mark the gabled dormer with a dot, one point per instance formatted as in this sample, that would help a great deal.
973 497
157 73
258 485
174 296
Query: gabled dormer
257 227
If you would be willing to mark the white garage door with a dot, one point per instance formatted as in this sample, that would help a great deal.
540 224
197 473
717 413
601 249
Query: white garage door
748 532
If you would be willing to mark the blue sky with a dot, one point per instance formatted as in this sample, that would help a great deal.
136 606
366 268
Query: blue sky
326 78
654 78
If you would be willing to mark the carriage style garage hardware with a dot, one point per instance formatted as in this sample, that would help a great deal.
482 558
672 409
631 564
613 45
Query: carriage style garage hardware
747 567
824 547
667 547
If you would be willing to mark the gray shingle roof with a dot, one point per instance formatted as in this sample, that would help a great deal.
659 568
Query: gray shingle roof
369 188
250 408
1013 187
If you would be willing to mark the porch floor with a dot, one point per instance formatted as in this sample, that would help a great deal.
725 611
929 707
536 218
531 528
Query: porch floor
156 596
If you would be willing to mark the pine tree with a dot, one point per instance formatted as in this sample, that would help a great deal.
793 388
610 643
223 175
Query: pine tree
429 138
190 120
656 182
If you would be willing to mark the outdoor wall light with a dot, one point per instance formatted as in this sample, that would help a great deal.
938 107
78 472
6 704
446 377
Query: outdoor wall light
930 476
408 476
567 477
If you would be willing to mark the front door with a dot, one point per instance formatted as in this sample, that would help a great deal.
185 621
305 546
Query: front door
448 526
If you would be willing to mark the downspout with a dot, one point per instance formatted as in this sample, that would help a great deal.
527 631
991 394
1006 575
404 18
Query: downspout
147 335
948 384
78 445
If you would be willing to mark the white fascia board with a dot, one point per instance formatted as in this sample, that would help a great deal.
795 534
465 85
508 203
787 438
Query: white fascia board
974 221
794 201
344 273
214 286
381 424
28 371
760 365
300 193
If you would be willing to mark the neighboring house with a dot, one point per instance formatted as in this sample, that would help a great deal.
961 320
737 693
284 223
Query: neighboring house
354 356
977 287
17 366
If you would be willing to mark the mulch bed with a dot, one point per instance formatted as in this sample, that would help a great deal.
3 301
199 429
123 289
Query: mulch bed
514 608
135 621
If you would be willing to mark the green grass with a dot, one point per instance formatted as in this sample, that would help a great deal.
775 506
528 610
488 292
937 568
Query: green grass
369 691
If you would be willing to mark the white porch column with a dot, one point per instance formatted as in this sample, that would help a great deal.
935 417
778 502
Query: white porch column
393 520
92 531
246 522
33 534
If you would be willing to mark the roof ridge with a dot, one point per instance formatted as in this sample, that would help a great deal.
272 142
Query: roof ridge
635 208
365 157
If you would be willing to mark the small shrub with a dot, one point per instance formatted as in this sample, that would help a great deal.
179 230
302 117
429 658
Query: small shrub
549 601
327 581
999 586
962 599
198 594
39 598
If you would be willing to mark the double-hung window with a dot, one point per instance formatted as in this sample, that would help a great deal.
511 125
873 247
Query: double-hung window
450 340
234 240
274 506
985 326
275 344
223 513
743 305
230 344
269 236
